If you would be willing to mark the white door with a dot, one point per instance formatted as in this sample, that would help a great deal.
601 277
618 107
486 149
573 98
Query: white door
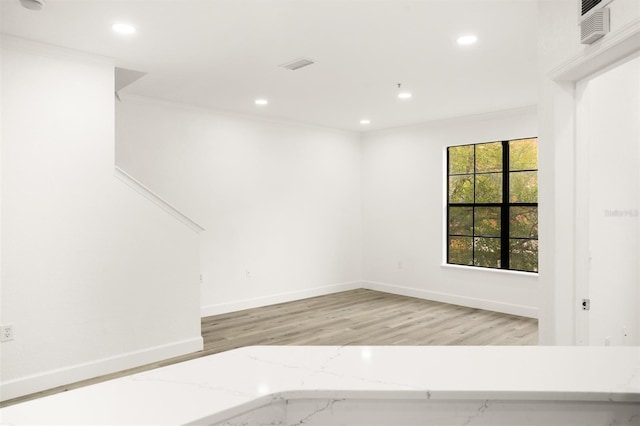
607 205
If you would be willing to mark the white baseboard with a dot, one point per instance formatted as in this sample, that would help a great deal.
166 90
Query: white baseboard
256 302
39 382
471 302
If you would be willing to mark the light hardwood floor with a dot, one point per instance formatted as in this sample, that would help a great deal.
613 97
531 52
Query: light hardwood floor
357 317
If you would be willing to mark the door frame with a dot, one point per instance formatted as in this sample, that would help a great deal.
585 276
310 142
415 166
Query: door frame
571 254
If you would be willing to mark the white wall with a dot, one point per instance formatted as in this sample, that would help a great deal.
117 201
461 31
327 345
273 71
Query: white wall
559 46
278 199
95 278
403 204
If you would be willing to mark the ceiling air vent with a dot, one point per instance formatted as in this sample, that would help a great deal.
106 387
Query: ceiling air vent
296 64
587 5
594 26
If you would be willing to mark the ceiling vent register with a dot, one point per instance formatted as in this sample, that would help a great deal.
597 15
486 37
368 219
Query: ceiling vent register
587 5
594 26
296 64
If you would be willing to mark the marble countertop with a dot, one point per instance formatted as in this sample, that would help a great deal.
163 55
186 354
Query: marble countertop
216 387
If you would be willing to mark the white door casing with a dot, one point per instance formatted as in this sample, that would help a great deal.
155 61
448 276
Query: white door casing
569 272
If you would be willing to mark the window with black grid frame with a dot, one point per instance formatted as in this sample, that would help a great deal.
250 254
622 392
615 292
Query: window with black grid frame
492 205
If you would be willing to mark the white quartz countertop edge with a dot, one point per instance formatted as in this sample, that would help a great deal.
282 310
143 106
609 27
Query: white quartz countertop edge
409 395
217 387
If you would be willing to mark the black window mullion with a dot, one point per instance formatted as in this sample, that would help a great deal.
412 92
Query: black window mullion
523 204
504 205
504 210
448 206
473 209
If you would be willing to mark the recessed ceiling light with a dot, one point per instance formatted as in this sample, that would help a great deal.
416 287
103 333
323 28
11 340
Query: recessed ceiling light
261 102
403 93
123 28
467 39
365 121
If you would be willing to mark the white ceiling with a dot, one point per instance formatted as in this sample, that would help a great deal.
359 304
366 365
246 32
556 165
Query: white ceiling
223 54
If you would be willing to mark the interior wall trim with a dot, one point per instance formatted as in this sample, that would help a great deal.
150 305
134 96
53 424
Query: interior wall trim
470 302
43 49
257 302
21 386
612 48
156 199
564 314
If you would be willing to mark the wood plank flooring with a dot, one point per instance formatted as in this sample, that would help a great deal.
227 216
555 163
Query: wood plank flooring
365 317
357 317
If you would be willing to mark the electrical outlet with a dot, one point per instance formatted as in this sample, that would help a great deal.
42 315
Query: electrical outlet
248 272
6 332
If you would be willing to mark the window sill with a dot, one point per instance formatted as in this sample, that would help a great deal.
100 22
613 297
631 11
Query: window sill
490 270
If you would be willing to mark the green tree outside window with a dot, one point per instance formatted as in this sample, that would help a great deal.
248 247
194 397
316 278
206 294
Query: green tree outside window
492 205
